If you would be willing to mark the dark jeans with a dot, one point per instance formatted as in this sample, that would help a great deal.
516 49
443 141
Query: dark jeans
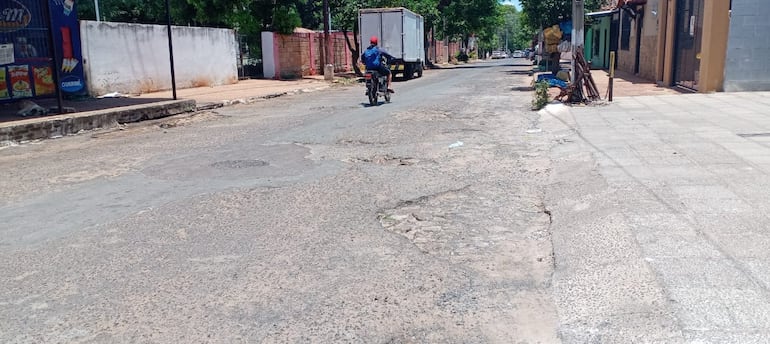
382 69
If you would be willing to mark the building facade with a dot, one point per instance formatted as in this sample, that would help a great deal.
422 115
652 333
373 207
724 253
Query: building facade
702 45
748 47
600 34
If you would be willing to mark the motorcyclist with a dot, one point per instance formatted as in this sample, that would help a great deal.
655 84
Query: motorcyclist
371 58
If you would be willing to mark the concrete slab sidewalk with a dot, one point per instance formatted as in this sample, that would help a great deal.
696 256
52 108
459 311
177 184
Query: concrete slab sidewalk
660 210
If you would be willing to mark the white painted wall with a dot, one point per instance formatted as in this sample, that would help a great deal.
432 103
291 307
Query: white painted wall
268 55
134 58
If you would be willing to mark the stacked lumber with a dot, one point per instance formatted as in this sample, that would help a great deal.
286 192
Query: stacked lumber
584 89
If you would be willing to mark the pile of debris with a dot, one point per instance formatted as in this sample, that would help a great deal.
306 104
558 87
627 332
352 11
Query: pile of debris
583 90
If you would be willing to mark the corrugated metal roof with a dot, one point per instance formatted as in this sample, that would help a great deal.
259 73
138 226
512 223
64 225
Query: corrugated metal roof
600 13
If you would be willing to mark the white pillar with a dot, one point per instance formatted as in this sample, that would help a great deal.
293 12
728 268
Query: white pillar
268 56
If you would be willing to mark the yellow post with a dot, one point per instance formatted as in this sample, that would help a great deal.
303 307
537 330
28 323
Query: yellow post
612 74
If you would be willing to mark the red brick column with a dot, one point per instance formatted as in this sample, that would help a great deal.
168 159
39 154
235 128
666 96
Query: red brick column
346 52
310 43
276 56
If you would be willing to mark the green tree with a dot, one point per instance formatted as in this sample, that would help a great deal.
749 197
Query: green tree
464 18
460 18
131 11
344 15
544 13
286 19
524 34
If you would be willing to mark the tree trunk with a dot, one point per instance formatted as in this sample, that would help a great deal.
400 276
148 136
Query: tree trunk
353 50
427 44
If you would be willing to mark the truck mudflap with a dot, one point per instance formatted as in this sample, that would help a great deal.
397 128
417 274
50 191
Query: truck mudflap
406 69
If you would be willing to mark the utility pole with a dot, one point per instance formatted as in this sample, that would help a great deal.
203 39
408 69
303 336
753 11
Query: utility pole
96 6
578 29
170 49
329 67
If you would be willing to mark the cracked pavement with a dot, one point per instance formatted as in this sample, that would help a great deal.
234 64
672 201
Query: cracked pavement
307 218
453 214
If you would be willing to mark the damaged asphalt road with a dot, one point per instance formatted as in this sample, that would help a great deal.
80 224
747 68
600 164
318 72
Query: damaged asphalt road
307 218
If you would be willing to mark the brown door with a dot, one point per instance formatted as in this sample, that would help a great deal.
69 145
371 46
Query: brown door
689 30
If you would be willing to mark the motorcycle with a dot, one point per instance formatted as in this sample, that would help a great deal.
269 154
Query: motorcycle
376 85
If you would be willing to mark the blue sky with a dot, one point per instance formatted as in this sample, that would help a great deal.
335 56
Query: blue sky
512 2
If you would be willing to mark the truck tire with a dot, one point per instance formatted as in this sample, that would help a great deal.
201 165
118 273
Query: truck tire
419 71
408 71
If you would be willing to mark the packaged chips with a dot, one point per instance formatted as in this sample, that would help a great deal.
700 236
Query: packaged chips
43 80
20 83
3 84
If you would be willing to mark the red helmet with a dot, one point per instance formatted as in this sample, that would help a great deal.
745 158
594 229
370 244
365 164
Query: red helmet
373 40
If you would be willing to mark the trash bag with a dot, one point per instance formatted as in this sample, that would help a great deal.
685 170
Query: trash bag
551 80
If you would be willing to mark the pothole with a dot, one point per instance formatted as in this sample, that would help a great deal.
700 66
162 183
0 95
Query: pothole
236 164
523 88
387 159
747 135
461 130
358 142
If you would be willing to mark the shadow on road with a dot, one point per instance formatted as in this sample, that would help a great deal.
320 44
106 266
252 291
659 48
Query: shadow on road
519 72
524 64
367 105
9 111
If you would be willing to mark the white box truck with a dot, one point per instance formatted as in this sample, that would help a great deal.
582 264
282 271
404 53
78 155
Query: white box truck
400 33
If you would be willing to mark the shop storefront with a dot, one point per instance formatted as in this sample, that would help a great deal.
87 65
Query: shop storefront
40 54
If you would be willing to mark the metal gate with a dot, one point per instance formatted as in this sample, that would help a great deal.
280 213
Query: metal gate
689 32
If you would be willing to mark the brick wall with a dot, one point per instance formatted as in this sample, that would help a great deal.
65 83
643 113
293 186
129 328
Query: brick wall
444 51
302 54
290 55
748 46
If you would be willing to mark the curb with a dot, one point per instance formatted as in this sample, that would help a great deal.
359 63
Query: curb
21 131
69 124
250 100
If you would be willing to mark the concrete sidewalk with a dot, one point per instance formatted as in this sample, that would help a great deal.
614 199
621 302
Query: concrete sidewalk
660 218
247 91
109 112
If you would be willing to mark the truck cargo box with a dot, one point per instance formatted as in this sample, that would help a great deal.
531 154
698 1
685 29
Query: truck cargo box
400 33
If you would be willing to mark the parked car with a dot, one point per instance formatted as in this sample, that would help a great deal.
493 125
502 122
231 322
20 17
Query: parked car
498 54
518 54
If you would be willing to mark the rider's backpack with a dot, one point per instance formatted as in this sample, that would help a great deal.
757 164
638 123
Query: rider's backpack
372 58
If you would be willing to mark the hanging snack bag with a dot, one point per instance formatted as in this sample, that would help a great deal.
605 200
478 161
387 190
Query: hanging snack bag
20 83
3 84
43 80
